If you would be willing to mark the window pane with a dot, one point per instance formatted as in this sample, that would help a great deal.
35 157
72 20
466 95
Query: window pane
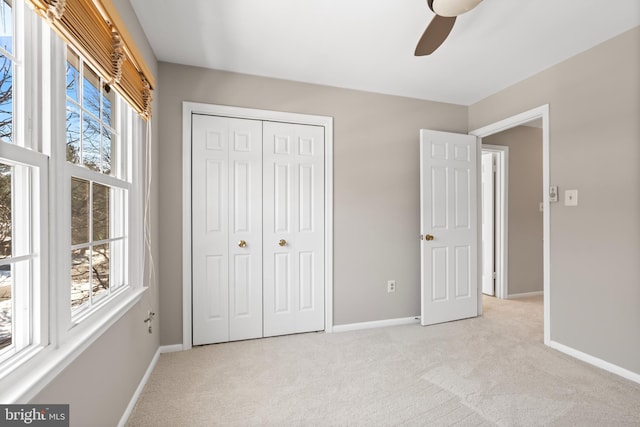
6 25
6 173
73 76
100 270
79 211
80 277
108 140
73 133
91 92
6 307
100 212
90 143
6 99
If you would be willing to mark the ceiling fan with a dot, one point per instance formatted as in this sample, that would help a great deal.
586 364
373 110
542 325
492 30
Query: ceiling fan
440 26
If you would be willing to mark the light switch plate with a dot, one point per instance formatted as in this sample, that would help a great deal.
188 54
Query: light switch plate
553 193
571 198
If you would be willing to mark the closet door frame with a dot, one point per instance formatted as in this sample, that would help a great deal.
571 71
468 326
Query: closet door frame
190 108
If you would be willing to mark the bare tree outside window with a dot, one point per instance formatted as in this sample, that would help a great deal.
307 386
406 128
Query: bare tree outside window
6 99
5 252
6 71
89 263
6 172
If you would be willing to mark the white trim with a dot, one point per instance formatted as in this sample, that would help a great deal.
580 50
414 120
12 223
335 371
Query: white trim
136 395
143 382
17 154
599 363
502 218
171 348
27 380
187 338
525 295
415 320
189 108
541 112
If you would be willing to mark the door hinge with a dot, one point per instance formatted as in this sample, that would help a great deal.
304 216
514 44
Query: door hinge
495 276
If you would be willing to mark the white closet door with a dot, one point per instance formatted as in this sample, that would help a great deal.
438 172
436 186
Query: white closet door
227 229
293 228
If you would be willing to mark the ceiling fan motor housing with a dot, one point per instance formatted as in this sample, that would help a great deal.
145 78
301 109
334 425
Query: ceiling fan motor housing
452 8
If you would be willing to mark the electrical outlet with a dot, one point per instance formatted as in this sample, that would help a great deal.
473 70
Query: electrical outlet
391 286
571 197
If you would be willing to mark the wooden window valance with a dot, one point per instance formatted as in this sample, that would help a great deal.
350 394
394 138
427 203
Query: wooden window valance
94 28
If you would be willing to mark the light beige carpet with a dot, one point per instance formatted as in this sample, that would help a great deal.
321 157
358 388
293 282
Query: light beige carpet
491 370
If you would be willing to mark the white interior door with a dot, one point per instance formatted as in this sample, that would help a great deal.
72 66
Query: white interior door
293 228
448 205
226 229
488 221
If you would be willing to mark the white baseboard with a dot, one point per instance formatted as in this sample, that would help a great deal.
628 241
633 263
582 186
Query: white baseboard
134 399
592 360
525 295
138 392
377 324
170 348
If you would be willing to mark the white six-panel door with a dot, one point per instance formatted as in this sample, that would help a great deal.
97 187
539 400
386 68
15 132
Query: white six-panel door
449 229
293 228
227 229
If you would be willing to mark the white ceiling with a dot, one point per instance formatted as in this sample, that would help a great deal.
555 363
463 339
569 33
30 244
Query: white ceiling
368 44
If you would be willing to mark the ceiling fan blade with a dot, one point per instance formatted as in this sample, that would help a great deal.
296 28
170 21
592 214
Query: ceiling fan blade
435 34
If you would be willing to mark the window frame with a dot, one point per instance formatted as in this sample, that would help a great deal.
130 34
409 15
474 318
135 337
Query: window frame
30 186
37 199
58 338
120 177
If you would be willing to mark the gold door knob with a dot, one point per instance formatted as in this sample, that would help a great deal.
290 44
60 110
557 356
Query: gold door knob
428 237
242 244
282 242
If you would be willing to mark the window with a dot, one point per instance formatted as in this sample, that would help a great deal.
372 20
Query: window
70 203
7 60
16 257
96 161
20 200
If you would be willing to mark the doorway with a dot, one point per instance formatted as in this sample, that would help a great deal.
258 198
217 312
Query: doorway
540 113
494 202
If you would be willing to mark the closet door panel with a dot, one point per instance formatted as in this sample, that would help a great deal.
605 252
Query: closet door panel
226 229
293 206
245 236
210 231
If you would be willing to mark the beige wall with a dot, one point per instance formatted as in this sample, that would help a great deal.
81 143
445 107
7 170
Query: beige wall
524 217
594 103
376 179
100 383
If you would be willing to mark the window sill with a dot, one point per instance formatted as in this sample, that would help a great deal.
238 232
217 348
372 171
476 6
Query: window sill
45 363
